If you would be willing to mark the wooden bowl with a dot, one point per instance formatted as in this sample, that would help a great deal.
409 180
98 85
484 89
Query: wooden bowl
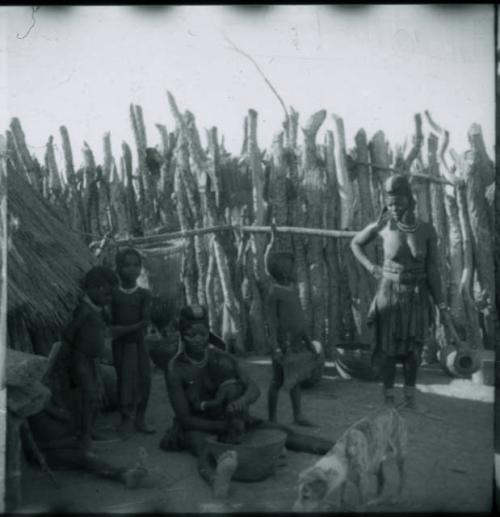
257 454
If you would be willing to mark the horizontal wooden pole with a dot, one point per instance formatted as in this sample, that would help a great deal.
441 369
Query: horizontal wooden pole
182 234
297 230
158 239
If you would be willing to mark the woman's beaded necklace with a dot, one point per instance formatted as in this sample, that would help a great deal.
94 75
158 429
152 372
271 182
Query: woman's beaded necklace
407 228
201 363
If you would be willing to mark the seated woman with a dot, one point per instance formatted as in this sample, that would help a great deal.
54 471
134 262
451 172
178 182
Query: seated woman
55 437
193 379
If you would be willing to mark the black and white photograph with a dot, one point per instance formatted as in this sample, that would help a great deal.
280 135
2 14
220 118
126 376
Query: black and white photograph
248 258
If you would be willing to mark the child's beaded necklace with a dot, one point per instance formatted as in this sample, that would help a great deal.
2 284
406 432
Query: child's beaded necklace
128 291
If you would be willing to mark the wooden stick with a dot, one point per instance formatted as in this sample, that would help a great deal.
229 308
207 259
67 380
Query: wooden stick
295 230
344 185
3 263
36 451
268 82
399 171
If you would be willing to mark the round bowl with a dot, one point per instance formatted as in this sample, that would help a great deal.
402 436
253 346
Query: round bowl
257 455
460 363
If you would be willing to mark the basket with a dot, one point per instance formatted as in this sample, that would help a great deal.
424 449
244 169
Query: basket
162 274
257 455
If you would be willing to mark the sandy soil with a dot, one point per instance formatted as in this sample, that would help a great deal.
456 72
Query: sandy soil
450 463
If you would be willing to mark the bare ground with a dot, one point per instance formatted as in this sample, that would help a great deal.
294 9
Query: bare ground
450 461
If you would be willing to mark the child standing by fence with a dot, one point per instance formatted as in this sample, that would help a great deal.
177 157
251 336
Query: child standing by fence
85 337
287 331
131 314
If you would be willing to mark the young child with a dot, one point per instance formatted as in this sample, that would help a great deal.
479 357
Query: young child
85 338
287 330
131 315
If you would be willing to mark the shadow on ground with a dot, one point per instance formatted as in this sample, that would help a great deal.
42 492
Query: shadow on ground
450 461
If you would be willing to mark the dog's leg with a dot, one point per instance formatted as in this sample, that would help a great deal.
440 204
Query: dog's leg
343 494
380 479
359 481
380 487
400 463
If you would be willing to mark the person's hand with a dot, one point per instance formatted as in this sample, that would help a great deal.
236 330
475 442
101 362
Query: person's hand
237 406
277 354
314 350
376 271
384 216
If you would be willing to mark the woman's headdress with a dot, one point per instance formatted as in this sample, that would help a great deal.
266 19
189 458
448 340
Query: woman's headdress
398 185
191 314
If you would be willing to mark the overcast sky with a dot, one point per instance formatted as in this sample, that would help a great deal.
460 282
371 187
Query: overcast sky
373 65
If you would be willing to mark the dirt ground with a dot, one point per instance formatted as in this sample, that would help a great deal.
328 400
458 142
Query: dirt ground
450 461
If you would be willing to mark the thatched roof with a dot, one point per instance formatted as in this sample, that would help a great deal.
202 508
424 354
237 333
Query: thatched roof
45 263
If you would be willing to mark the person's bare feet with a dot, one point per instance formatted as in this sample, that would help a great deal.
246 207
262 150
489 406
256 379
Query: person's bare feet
303 422
142 427
126 428
133 477
226 466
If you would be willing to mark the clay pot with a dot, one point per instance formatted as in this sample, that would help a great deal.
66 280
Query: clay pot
257 455
459 362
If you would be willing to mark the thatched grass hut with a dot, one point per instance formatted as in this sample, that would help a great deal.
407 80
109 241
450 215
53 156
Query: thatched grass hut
45 262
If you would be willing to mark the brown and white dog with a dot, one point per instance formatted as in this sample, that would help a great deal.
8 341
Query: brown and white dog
360 452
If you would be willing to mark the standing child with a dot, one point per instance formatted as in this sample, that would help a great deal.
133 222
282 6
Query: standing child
131 314
85 337
287 329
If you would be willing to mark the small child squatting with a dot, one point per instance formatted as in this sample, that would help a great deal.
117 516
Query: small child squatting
131 315
287 330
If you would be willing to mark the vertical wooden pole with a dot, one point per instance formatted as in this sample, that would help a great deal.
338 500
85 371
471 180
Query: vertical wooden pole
314 181
195 184
478 173
298 218
13 494
25 159
332 252
343 181
91 192
277 193
3 317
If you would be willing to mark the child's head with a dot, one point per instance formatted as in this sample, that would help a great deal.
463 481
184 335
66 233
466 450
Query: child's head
128 264
98 284
280 265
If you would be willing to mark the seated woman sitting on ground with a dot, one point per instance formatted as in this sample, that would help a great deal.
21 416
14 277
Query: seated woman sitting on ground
194 376
223 374
54 434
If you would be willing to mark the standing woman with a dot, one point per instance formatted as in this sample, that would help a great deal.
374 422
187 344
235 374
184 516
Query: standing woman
409 284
